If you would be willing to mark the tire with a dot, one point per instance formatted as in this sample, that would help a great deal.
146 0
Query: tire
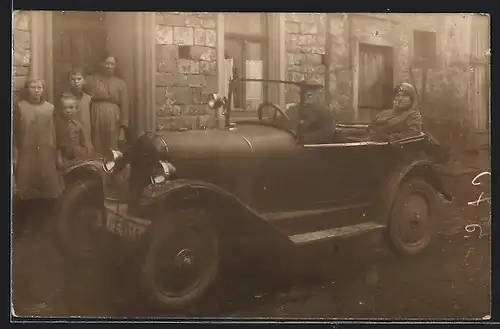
79 213
169 244
415 209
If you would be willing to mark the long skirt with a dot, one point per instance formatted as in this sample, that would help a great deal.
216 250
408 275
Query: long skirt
105 118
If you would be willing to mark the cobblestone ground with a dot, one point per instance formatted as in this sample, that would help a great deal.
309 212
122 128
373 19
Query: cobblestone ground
451 280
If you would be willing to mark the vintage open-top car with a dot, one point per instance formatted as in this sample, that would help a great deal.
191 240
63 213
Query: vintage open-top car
198 204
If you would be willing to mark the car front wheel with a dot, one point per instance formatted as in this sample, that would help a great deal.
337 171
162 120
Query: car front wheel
182 261
413 218
78 220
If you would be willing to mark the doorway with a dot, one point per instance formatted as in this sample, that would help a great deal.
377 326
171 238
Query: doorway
376 80
79 40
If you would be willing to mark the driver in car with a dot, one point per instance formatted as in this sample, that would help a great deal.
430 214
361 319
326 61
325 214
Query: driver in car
403 120
318 124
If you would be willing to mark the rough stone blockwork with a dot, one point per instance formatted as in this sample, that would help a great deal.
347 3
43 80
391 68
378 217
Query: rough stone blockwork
186 68
306 36
21 48
305 45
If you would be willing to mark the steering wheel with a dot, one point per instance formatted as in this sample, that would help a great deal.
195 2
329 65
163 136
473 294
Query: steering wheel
276 110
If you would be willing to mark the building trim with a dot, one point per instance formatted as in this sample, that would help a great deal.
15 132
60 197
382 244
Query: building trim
41 50
375 17
375 41
151 21
220 54
282 56
355 75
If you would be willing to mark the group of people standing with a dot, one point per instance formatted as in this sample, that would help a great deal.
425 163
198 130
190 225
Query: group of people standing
86 120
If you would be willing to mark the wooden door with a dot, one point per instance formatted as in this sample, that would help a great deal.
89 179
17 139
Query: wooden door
79 41
375 80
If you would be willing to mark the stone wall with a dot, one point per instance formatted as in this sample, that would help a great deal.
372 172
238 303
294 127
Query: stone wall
305 40
186 70
341 73
21 48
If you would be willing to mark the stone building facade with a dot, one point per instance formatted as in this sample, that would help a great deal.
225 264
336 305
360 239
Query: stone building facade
305 46
186 68
21 49
339 36
453 83
173 61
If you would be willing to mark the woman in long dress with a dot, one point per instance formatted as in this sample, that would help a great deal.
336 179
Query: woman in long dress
109 107
37 180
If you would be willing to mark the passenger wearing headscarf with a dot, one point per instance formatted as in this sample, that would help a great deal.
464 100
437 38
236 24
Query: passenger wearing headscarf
403 120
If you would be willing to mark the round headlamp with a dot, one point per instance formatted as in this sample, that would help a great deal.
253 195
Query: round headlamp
215 101
162 171
113 161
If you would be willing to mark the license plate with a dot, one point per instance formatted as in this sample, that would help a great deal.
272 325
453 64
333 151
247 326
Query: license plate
128 228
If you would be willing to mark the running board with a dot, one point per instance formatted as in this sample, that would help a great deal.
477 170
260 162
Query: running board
339 232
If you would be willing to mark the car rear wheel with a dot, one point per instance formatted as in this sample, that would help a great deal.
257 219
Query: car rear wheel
413 218
182 261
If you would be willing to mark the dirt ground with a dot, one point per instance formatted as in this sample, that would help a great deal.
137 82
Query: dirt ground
451 280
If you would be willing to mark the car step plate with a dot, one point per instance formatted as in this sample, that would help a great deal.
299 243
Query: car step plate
339 232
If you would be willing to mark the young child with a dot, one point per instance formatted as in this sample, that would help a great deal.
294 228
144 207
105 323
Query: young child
77 82
37 179
72 141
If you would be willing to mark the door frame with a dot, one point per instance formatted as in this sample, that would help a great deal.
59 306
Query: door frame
275 51
263 41
374 41
144 59
41 50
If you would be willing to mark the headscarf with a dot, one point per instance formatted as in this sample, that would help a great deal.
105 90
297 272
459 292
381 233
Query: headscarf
408 90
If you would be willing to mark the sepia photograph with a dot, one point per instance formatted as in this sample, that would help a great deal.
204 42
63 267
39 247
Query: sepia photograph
250 165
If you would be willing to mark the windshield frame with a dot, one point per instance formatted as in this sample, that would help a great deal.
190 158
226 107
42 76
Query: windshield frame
304 88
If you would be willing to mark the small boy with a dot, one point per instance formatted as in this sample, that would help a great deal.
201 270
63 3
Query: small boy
77 82
72 141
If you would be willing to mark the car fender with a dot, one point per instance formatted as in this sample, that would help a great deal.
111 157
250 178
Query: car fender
84 169
248 237
424 169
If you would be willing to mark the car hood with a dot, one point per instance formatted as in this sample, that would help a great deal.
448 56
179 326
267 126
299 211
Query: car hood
244 139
